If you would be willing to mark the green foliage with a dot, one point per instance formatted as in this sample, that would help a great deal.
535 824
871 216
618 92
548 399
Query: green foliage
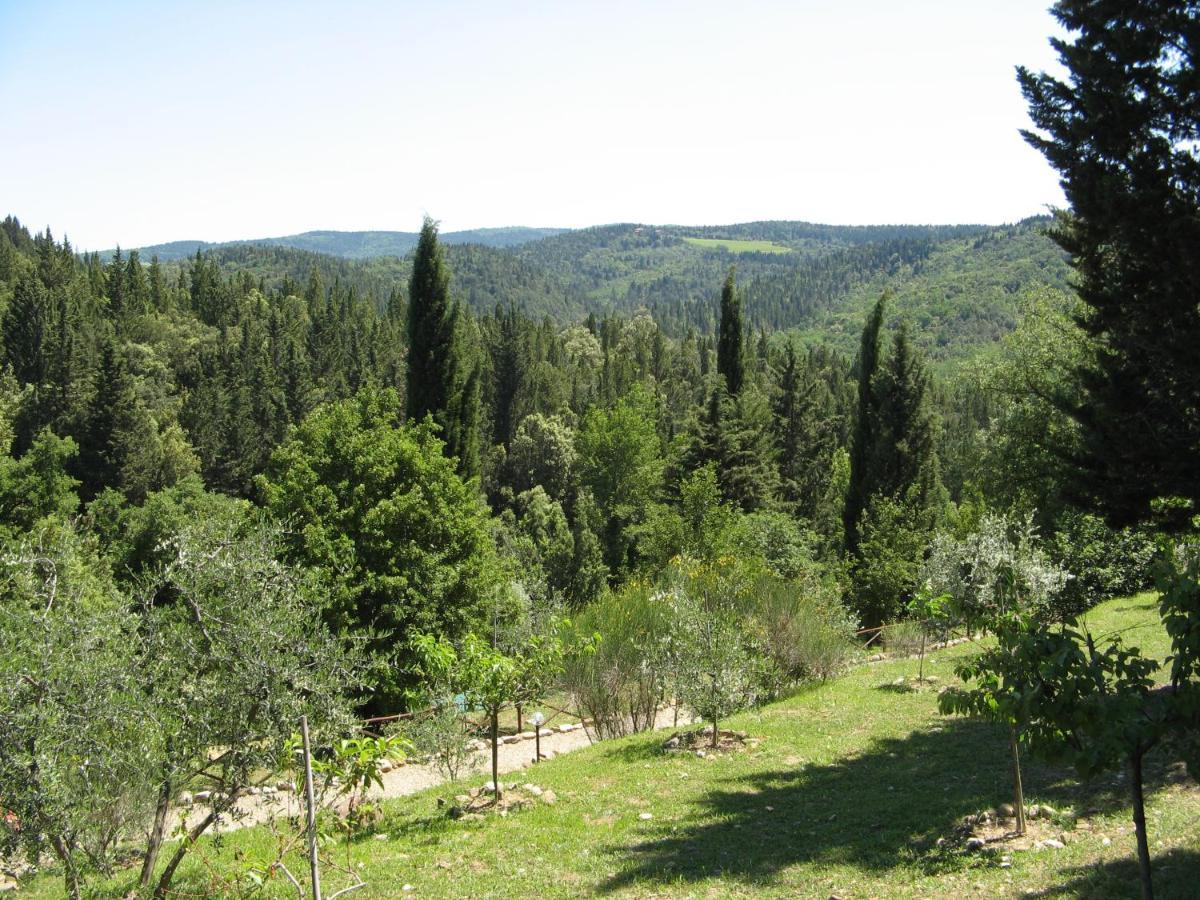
75 725
993 572
38 485
232 660
620 462
444 735
542 453
618 670
885 571
731 364
716 668
350 480
443 378
1103 562
1120 130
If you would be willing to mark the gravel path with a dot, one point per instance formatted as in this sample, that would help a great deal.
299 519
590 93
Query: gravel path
412 778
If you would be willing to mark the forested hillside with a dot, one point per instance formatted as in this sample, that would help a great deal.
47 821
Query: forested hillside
958 286
352 244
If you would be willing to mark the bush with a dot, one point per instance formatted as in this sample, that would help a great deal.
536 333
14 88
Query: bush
620 681
804 628
443 735
1104 563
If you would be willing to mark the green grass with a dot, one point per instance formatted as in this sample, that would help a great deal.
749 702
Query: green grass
736 246
848 793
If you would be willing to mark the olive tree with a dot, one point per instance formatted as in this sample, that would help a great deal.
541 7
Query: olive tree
74 724
994 579
232 651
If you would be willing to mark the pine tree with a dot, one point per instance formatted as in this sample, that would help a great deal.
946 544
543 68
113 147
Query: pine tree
442 381
1122 132
731 361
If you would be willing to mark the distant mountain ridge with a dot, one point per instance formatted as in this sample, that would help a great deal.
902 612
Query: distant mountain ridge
353 244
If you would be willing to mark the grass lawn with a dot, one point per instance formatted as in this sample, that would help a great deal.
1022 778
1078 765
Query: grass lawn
737 246
847 794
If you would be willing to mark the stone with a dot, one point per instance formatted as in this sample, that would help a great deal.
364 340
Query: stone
549 797
385 766
269 791
286 787
646 817
1006 810
1048 812
564 729
202 796
381 837
701 754
534 790
671 743
527 735
974 844
511 739
185 799
1053 843
1107 842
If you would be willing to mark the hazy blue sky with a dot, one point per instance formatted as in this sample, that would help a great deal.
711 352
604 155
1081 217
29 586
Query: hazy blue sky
147 122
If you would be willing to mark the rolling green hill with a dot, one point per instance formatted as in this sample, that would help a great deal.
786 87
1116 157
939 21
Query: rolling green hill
353 244
958 286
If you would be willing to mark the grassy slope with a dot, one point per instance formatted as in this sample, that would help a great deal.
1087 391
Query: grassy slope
847 794
737 246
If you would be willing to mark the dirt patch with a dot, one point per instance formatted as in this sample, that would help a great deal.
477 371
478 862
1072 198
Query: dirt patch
700 741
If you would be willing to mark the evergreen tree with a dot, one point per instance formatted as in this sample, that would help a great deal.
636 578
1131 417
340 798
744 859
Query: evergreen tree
731 361
442 381
1122 132
866 425
904 454
804 435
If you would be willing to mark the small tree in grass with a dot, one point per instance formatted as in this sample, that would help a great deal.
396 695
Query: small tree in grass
716 667
995 579
488 678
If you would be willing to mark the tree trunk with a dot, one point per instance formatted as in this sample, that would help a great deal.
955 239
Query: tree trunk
496 755
1139 824
1018 792
520 727
921 665
164 880
70 870
157 831
716 734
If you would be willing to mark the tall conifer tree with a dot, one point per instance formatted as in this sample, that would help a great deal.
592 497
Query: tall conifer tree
866 425
443 382
731 362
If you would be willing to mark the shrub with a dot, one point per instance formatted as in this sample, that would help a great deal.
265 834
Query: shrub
443 735
621 680
804 628
1105 563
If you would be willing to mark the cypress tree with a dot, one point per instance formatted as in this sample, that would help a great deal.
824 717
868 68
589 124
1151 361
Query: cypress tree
443 382
904 454
866 425
731 361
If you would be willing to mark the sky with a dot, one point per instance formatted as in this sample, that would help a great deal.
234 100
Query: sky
139 123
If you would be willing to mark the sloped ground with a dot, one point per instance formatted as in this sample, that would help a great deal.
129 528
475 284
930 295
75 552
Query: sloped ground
857 788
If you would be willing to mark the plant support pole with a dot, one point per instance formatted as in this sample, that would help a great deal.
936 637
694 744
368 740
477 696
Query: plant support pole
313 865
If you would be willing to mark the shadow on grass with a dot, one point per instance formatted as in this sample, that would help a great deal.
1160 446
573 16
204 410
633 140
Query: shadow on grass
877 811
1176 875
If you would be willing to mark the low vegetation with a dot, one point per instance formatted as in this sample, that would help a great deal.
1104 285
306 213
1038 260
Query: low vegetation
854 787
